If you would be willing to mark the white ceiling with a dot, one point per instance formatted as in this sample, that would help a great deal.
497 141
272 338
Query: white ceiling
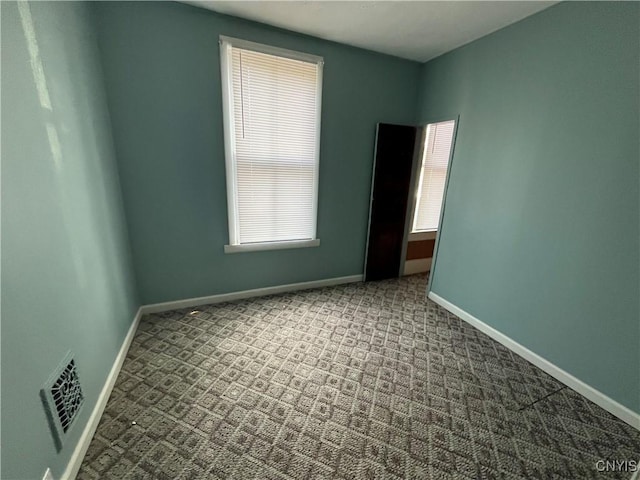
416 30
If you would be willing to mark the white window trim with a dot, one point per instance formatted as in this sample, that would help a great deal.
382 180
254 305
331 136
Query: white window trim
430 233
271 50
423 235
255 247
418 192
229 144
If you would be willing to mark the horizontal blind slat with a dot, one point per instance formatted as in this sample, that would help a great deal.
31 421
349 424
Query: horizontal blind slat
275 122
433 175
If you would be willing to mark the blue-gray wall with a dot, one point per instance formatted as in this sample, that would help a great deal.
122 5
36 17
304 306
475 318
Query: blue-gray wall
67 278
540 235
162 68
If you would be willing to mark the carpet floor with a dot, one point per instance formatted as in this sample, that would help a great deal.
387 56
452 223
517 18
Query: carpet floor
360 381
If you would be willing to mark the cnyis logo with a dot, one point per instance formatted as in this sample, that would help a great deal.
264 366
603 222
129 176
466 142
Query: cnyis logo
617 465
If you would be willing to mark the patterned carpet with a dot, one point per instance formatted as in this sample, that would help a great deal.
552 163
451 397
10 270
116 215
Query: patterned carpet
363 381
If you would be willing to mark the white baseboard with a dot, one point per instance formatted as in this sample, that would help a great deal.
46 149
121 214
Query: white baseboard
87 435
257 292
418 265
597 397
90 429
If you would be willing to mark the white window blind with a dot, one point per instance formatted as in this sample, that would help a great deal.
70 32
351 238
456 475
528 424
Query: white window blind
433 175
272 133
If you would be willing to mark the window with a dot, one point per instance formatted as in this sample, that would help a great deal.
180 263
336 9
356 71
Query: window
433 175
271 102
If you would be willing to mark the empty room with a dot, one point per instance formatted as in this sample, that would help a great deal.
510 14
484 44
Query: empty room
299 240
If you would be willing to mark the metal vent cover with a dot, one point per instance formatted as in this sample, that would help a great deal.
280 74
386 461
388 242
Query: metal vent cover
62 397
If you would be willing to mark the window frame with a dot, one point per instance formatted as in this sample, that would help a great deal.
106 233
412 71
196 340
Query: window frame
416 183
230 148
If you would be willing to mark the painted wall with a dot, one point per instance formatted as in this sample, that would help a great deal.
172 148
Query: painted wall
540 234
161 62
67 277
419 255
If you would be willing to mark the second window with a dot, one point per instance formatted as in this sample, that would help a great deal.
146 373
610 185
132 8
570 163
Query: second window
271 101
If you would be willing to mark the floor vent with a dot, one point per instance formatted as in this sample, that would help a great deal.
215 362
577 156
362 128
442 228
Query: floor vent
62 396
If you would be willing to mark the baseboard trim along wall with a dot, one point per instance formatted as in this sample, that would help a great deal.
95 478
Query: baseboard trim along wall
597 397
90 429
256 292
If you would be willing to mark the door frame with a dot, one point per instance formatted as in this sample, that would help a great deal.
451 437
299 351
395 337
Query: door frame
417 164
373 179
434 261
417 149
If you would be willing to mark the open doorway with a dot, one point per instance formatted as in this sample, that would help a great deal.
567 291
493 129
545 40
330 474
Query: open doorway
411 166
427 195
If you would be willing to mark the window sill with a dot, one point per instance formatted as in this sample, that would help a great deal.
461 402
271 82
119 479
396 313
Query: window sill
255 247
423 235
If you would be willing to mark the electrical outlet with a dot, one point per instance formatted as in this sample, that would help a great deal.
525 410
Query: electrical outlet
48 475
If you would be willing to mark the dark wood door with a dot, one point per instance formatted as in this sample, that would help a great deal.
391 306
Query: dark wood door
394 156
